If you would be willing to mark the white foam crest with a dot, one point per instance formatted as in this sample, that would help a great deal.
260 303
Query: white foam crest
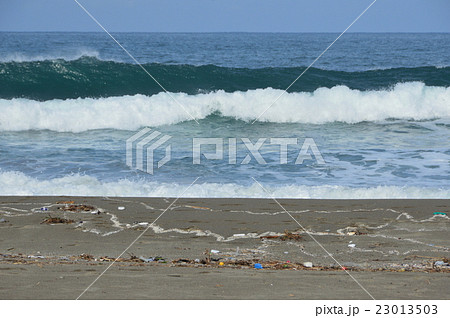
404 101
68 56
17 183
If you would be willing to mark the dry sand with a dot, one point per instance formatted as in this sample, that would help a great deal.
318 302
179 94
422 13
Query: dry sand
396 244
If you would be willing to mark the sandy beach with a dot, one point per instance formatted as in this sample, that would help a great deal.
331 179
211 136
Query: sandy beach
54 247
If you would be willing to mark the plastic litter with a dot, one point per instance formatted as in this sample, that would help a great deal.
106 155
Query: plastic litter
215 251
238 235
440 263
308 264
36 256
2 220
146 260
352 245
143 223
221 263
439 213
44 209
120 208
197 260
258 266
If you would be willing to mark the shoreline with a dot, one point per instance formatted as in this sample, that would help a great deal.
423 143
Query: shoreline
375 240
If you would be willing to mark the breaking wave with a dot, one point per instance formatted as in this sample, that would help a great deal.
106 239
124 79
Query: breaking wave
20 57
405 101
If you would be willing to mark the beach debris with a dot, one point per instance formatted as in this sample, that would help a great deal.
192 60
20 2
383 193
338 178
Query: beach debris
242 263
286 252
147 260
132 259
87 257
308 264
290 236
440 263
65 202
120 208
35 256
355 231
239 235
352 245
208 256
2 220
44 209
439 213
159 259
270 237
287 236
56 220
215 251
182 261
143 223
197 260
77 208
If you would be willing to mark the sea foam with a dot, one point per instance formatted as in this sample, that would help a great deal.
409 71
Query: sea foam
17 183
407 101
20 57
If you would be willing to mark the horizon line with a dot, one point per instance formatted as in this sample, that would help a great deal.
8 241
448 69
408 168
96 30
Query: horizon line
200 32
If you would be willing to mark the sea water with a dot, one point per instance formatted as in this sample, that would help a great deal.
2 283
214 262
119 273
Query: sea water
376 105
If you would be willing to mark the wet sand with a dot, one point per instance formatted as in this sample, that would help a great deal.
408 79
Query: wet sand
207 248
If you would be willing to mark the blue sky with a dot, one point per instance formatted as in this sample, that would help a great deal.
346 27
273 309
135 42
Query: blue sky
228 16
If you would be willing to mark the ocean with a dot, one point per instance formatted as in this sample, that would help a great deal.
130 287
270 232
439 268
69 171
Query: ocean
377 107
